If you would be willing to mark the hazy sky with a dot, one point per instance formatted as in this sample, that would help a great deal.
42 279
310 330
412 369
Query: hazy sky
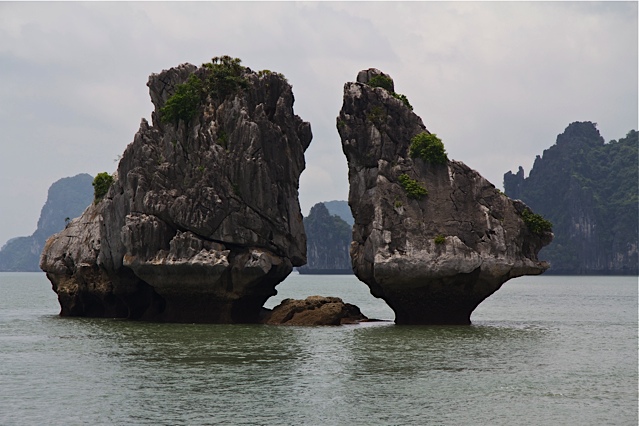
496 81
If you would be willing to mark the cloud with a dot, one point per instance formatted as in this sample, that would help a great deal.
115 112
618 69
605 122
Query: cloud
496 81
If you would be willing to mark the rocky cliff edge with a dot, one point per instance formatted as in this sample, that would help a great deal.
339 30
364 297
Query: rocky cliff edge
203 219
433 254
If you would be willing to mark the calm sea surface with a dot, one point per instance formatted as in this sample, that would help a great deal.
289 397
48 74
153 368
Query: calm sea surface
543 350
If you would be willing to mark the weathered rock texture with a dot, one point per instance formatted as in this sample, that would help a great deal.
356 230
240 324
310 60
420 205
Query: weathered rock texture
485 241
202 221
314 310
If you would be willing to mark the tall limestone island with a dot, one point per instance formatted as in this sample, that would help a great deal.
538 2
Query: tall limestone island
202 220
432 237
589 190
328 240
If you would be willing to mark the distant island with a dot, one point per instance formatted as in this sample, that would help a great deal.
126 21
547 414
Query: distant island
589 190
328 240
341 209
67 199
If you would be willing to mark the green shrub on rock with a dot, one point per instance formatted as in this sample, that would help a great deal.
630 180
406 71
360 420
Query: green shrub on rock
184 102
101 184
381 81
224 77
413 188
428 147
536 222
386 82
404 99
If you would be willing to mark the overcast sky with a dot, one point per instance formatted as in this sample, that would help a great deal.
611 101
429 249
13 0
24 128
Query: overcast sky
495 81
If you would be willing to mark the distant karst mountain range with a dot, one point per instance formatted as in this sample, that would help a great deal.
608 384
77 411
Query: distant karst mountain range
589 190
67 199
328 237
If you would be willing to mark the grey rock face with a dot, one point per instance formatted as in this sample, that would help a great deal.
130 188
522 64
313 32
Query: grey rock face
203 219
433 260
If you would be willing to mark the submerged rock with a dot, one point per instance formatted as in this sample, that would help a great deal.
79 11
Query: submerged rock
433 239
314 310
203 219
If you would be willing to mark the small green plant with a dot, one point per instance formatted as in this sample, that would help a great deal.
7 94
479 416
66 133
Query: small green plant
236 189
182 105
440 239
223 139
200 169
428 147
536 222
101 184
398 204
376 115
387 83
264 73
404 99
381 81
413 188
225 76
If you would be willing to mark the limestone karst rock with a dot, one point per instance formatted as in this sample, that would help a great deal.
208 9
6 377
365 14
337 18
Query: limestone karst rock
433 258
203 219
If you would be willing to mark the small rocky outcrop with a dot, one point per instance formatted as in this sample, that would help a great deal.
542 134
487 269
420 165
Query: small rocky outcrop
203 219
432 240
67 198
314 310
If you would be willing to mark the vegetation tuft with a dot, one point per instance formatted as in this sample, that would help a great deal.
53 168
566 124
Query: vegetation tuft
381 81
440 239
404 99
428 147
536 222
223 77
101 184
387 83
377 115
413 188
184 102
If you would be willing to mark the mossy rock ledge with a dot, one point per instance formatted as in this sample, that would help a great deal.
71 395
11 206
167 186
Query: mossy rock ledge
433 258
202 220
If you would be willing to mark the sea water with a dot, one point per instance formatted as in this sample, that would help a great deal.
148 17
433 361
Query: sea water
546 350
